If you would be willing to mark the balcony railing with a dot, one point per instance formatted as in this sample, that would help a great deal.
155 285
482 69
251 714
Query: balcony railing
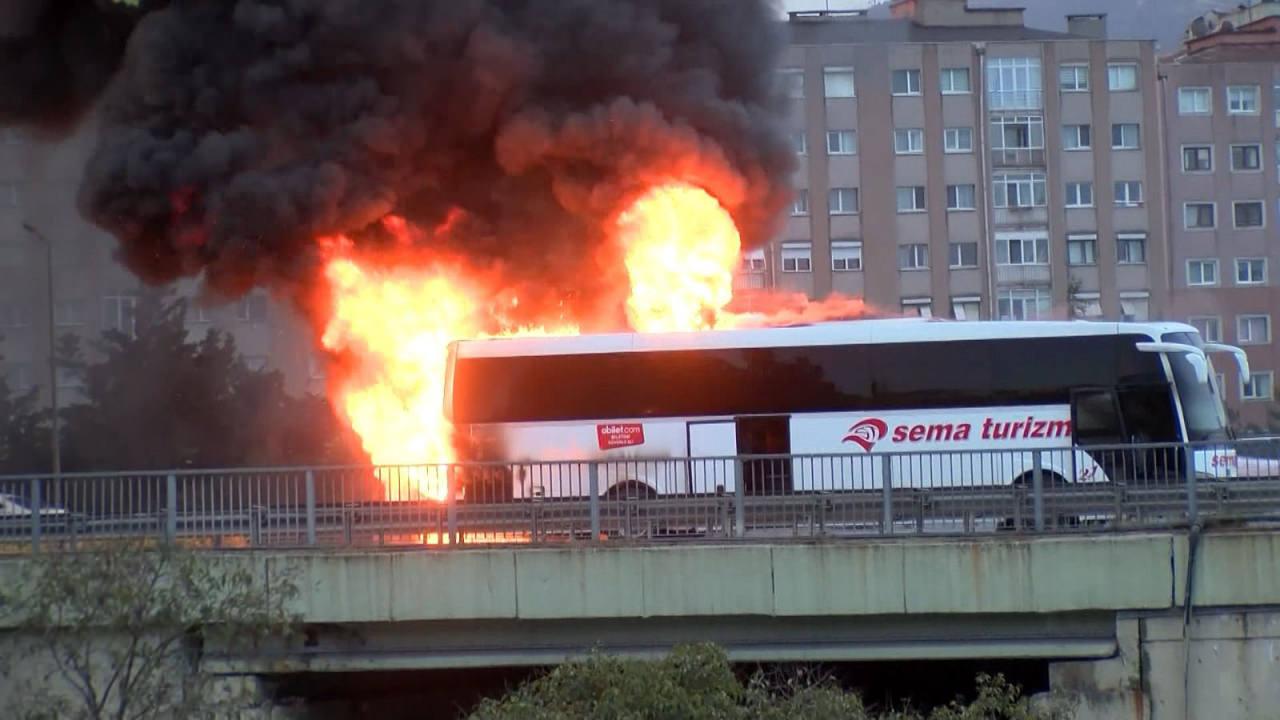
1017 157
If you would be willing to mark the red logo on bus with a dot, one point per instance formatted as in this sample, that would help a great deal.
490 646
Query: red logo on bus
616 435
866 433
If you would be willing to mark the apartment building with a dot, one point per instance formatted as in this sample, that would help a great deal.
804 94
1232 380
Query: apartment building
954 162
1221 98
41 227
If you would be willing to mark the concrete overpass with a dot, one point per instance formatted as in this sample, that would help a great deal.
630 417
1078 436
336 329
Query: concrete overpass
1111 610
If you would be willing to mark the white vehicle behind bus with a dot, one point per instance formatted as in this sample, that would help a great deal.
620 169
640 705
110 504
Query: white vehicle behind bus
835 406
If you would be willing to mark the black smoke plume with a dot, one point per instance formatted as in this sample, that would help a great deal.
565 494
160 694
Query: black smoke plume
238 132
56 56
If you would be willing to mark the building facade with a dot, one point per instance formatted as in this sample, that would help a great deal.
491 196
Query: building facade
956 163
1221 98
40 227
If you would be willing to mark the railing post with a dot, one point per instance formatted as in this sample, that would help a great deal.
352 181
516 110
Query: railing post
1193 500
451 501
170 508
1037 490
739 498
593 498
35 514
886 477
310 483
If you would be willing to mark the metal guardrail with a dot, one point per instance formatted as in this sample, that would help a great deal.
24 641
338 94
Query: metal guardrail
852 495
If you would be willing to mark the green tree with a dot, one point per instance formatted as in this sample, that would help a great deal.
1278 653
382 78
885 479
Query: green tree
158 399
119 632
24 431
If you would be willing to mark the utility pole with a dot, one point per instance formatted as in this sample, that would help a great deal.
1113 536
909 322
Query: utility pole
56 432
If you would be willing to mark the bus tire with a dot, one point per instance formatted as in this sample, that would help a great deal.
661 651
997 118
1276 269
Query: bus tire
630 490
1026 481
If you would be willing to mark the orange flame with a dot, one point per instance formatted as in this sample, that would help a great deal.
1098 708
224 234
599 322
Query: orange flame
393 321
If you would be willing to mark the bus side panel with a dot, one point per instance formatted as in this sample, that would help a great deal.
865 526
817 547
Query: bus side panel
958 447
552 459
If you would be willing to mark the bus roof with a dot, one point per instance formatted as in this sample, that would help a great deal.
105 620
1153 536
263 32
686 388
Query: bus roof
832 333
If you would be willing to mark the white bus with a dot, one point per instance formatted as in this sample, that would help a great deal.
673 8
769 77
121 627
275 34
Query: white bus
651 411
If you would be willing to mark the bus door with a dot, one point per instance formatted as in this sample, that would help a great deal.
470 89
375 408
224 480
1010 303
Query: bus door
712 445
1109 419
765 435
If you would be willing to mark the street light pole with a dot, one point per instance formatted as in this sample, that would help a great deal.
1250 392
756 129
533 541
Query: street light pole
56 432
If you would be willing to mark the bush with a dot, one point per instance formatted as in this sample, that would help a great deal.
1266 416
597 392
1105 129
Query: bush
696 682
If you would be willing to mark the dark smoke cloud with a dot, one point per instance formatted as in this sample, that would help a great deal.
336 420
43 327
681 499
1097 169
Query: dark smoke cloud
56 56
238 132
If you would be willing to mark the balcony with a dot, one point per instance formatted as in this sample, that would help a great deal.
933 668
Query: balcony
1017 157
1015 100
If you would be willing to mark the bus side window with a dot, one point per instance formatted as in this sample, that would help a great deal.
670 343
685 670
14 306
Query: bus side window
1095 417
1149 414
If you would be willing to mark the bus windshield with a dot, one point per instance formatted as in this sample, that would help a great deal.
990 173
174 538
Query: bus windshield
1201 402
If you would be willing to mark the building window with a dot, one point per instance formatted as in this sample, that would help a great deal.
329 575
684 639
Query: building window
1242 99
18 376
966 308
119 313
1022 250
917 307
792 83
1126 136
1197 158
1259 387
1086 305
846 255
908 141
1135 307
1077 137
1246 158
1251 271
963 255
958 140
753 261
1195 101
1128 193
906 82
1202 271
843 201
799 143
14 314
1275 98
913 257
1017 132
911 199
1082 249
842 142
961 197
1014 84
1199 216
69 313
1122 77
800 204
1023 304
838 82
252 308
1073 78
8 195
1131 249
12 136
1210 327
797 257
1253 329
1079 194
955 81
1018 190
1248 214
315 367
